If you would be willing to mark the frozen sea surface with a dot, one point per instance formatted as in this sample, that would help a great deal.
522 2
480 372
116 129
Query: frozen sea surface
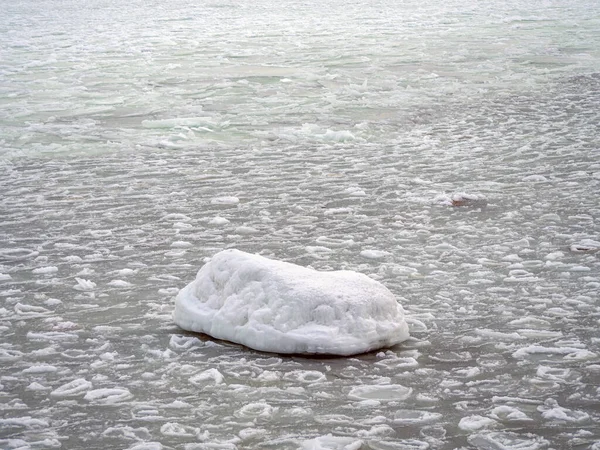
449 151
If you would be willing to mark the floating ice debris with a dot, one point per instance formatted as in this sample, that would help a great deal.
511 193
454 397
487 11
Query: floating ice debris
330 442
535 178
586 245
108 396
45 270
146 446
380 392
284 308
218 221
406 417
475 422
374 254
568 352
507 440
84 285
120 283
225 201
72 389
506 413
552 411
461 199
208 377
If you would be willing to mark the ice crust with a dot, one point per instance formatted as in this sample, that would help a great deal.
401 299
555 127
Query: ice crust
279 307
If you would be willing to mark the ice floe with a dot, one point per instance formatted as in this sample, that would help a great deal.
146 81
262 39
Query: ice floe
280 307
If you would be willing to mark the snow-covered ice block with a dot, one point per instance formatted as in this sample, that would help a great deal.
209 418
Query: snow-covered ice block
586 245
280 307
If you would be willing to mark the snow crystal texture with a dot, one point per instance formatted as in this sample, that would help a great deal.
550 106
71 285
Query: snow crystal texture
280 307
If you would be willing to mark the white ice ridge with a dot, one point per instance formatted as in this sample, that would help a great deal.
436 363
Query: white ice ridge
279 307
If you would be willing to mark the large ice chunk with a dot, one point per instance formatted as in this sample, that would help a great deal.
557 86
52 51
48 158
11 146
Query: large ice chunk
279 307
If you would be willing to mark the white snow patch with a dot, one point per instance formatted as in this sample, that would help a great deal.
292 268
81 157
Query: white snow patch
281 307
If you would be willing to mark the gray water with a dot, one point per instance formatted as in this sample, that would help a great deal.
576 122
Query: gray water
344 129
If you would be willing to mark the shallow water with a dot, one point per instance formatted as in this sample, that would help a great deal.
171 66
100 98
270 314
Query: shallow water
343 132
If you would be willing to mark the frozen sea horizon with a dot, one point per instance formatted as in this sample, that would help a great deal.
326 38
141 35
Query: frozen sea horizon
450 152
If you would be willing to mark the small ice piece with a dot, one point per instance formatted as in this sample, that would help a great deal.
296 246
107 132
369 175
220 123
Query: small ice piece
39 369
552 411
255 410
218 221
535 178
228 200
24 309
411 417
120 283
569 353
474 423
506 413
380 392
35 386
461 199
72 389
146 446
175 429
280 307
181 244
84 285
374 254
305 376
355 192
507 440
125 272
100 233
246 230
586 245
108 396
208 377
330 442
554 256
45 270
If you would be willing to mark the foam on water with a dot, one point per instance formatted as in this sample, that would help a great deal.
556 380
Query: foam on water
446 150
